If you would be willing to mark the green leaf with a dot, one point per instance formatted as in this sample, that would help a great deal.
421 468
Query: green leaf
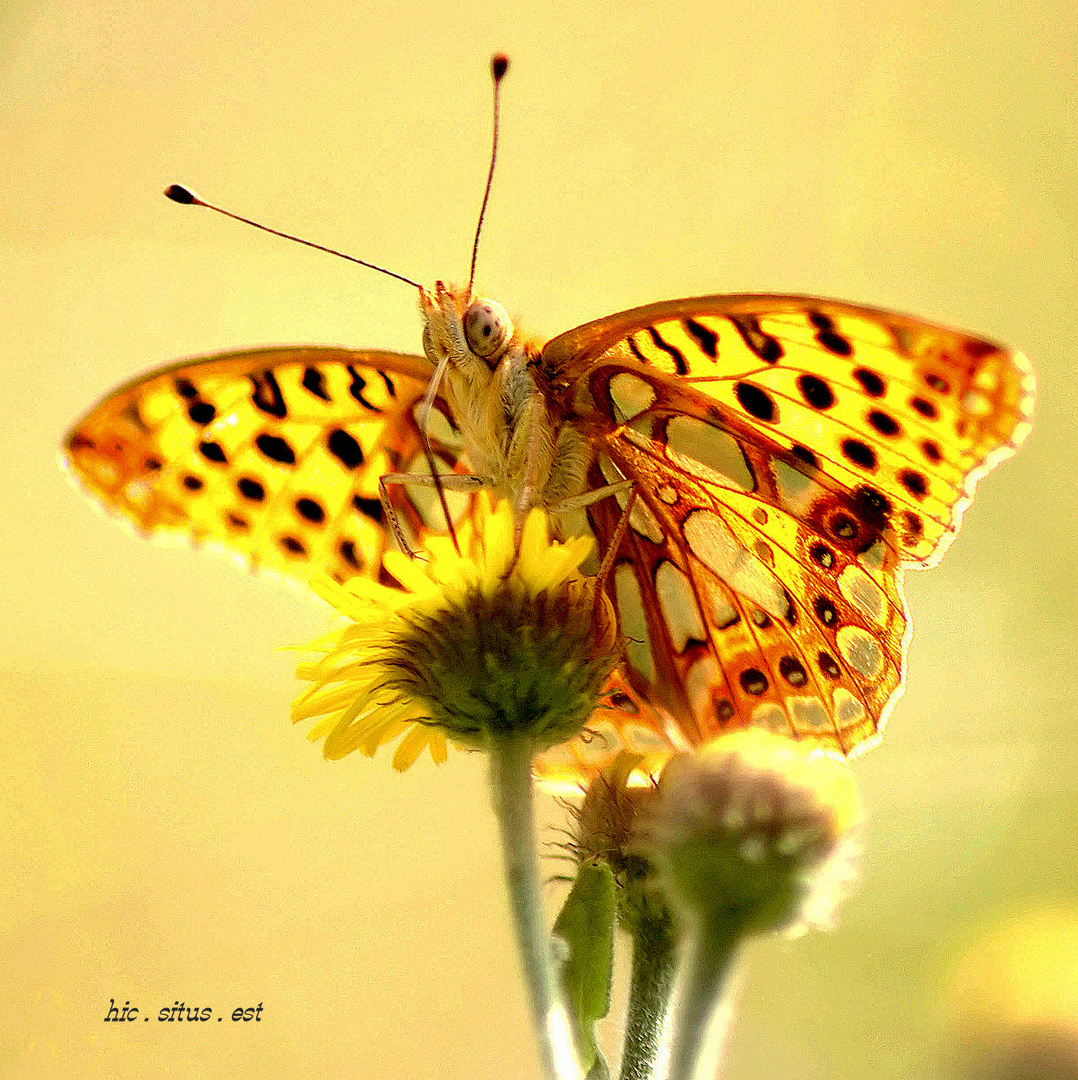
586 925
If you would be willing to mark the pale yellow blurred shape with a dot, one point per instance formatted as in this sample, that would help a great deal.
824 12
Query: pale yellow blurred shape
1013 1000
1023 972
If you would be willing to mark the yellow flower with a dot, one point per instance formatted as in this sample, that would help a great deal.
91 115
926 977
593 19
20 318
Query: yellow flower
505 636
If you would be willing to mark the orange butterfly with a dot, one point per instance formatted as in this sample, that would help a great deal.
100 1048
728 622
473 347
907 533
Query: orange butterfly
782 460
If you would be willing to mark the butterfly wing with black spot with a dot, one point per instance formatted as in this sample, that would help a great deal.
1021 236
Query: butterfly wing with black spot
273 454
791 456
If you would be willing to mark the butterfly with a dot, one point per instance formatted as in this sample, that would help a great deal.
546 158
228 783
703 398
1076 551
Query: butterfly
758 472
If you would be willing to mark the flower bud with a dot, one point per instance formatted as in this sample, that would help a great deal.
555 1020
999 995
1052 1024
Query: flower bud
753 831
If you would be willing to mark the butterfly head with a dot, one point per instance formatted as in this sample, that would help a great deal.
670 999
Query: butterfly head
463 329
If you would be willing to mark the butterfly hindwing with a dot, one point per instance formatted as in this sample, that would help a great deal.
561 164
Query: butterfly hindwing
734 613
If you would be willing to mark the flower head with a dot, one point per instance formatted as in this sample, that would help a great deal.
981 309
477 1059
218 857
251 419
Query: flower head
752 829
606 829
503 636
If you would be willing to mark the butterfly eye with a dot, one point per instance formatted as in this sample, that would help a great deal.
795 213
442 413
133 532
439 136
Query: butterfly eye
487 328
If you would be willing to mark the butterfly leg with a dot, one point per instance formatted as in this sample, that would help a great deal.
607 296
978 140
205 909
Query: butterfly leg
587 498
465 482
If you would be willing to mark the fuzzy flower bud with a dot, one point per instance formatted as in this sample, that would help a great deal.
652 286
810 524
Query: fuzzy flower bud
752 831
606 827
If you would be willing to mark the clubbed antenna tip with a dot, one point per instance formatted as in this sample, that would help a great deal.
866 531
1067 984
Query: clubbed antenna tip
180 194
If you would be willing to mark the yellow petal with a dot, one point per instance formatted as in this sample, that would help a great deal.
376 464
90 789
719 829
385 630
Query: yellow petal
408 572
384 732
411 746
437 745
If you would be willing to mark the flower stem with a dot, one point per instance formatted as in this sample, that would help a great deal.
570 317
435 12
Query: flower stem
511 786
654 964
695 1037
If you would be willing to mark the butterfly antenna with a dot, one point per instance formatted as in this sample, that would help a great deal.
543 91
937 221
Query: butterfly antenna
499 65
186 197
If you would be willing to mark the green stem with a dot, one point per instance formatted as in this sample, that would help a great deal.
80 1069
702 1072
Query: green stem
700 1017
511 786
654 965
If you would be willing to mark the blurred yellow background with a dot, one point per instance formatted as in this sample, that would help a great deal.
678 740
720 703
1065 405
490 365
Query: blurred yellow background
167 836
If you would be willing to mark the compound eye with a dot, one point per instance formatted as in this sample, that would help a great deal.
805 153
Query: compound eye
487 328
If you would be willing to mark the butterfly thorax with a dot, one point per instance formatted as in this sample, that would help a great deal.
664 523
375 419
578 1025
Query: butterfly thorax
514 437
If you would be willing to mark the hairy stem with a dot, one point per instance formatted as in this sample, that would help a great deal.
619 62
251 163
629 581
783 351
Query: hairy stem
511 786
695 1037
654 965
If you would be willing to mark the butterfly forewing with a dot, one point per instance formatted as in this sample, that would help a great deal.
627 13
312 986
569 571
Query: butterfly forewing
791 456
864 398
274 454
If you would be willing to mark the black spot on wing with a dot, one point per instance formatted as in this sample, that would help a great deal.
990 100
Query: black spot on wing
914 525
310 509
860 454
828 665
345 448
759 343
213 451
251 489
371 508
267 396
347 551
314 382
793 671
914 482
827 336
201 412
755 401
675 354
753 681
276 449
871 383
356 388
635 350
825 611
706 338
884 423
805 456
293 546
815 392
